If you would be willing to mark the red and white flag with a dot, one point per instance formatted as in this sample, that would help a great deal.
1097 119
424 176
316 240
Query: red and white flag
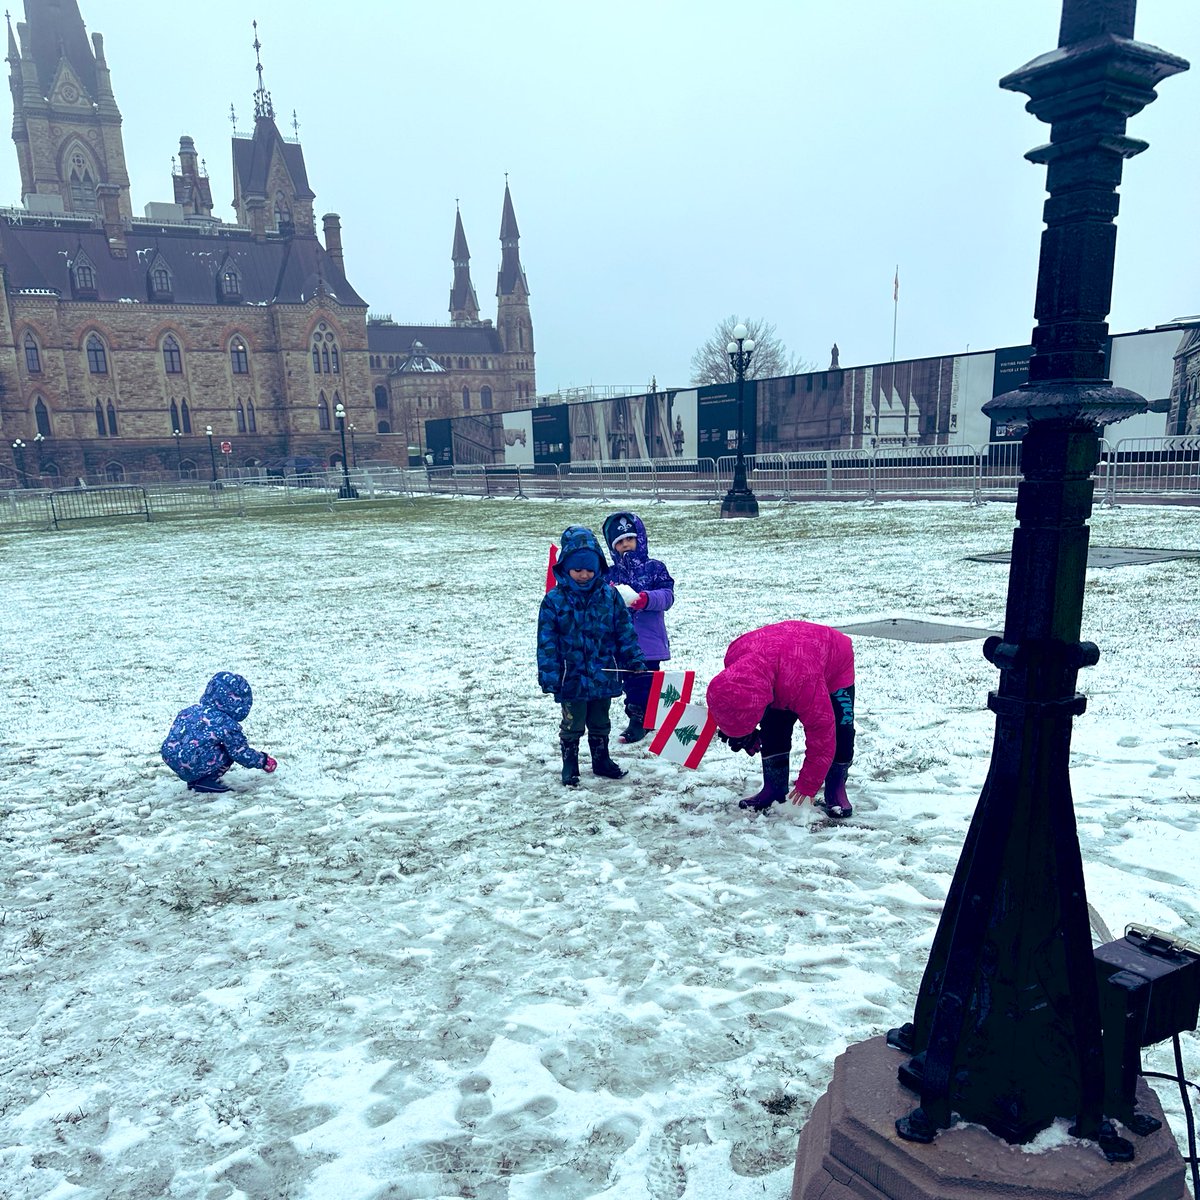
685 735
665 689
550 580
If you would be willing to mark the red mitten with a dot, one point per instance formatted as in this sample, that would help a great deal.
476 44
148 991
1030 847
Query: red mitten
269 764
640 602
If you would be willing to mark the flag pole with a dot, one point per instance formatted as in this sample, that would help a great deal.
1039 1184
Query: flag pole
895 308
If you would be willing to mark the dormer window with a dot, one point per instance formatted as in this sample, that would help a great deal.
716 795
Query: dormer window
229 284
83 278
159 280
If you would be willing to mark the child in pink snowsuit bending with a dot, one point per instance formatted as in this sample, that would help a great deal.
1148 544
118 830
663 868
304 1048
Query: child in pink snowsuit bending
778 675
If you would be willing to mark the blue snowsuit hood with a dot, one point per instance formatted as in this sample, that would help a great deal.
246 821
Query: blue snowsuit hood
230 693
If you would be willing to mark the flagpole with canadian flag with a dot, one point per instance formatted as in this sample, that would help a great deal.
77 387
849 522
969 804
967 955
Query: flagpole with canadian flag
895 307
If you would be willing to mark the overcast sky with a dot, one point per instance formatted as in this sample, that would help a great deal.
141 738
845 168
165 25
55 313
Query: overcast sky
671 161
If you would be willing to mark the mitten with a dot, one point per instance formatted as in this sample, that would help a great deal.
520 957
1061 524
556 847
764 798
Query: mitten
641 602
627 594
751 743
269 764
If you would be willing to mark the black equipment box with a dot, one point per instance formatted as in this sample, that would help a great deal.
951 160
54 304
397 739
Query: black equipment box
1167 967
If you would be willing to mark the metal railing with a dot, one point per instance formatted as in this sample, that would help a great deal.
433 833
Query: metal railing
1135 468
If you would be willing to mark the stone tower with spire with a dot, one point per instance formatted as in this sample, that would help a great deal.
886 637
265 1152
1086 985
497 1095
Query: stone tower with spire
464 304
66 124
270 181
513 320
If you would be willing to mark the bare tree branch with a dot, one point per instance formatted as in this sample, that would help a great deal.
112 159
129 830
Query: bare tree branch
710 363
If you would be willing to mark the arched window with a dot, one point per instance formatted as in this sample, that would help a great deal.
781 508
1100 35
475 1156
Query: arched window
384 427
41 416
251 419
83 186
466 394
172 359
101 429
160 283
239 360
323 413
175 417
241 418
333 355
114 472
283 212
97 356
391 361
231 283
485 396
33 357
187 419
316 359
112 420
325 359
85 277
520 337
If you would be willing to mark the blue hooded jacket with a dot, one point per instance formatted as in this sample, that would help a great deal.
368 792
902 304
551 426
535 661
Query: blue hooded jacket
584 630
638 570
207 737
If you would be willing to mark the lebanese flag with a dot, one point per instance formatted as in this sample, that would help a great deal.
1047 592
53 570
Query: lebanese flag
665 689
685 734
550 580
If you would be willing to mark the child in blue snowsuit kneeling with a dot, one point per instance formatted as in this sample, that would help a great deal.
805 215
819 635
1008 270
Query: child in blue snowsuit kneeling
585 640
206 739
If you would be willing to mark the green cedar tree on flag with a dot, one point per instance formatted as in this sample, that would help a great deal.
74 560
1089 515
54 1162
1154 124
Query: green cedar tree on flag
666 688
685 735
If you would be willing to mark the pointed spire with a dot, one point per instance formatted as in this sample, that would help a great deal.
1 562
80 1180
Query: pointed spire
14 55
262 98
464 304
512 276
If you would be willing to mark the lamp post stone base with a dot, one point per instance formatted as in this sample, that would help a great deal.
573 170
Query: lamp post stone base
739 504
850 1150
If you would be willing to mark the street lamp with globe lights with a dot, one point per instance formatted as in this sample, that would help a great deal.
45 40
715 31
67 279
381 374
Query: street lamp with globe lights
212 456
19 457
353 448
740 501
38 439
178 453
346 491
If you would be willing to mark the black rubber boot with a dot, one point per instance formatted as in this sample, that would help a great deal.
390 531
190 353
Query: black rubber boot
570 757
210 783
602 764
836 802
775 770
636 729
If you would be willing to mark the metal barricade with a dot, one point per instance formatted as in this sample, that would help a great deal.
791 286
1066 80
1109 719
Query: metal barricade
100 503
1165 466
945 472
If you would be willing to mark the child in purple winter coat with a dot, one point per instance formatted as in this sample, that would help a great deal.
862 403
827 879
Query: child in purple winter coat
648 590
206 739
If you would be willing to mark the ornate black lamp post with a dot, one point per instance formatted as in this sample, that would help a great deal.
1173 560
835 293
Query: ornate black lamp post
740 501
178 453
1006 1031
19 456
38 440
353 448
346 491
212 456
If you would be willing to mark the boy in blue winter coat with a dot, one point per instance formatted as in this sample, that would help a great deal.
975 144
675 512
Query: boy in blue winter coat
648 590
585 638
206 739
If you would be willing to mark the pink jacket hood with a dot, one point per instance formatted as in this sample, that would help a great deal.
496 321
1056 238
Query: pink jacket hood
793 665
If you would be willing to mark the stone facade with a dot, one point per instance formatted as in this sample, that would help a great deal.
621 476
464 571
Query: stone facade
124 339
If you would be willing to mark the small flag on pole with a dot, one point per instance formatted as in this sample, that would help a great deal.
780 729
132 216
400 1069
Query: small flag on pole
665 689
896 285
550 580
685 734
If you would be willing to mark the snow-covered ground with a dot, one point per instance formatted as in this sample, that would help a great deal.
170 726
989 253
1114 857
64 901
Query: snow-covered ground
412 964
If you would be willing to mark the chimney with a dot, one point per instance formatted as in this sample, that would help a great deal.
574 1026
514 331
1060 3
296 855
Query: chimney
333 239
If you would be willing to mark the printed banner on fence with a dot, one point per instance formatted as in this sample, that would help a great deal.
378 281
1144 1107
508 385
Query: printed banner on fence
666 688
550 580
685 735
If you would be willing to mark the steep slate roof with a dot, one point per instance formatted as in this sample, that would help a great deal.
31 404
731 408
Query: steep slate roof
57 28
437 339
281 271
252 159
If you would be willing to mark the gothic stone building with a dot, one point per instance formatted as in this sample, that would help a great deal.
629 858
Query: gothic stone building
125 340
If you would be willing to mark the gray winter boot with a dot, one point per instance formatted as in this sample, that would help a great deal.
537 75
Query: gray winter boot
836 802
570 761
602 764
776 771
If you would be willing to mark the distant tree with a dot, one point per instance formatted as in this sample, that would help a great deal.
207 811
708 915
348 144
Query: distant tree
710 363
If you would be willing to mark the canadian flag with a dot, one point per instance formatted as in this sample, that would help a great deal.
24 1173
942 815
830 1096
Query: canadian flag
685 735
665 689
550 580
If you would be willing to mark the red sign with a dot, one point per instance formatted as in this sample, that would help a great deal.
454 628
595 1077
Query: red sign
226 447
